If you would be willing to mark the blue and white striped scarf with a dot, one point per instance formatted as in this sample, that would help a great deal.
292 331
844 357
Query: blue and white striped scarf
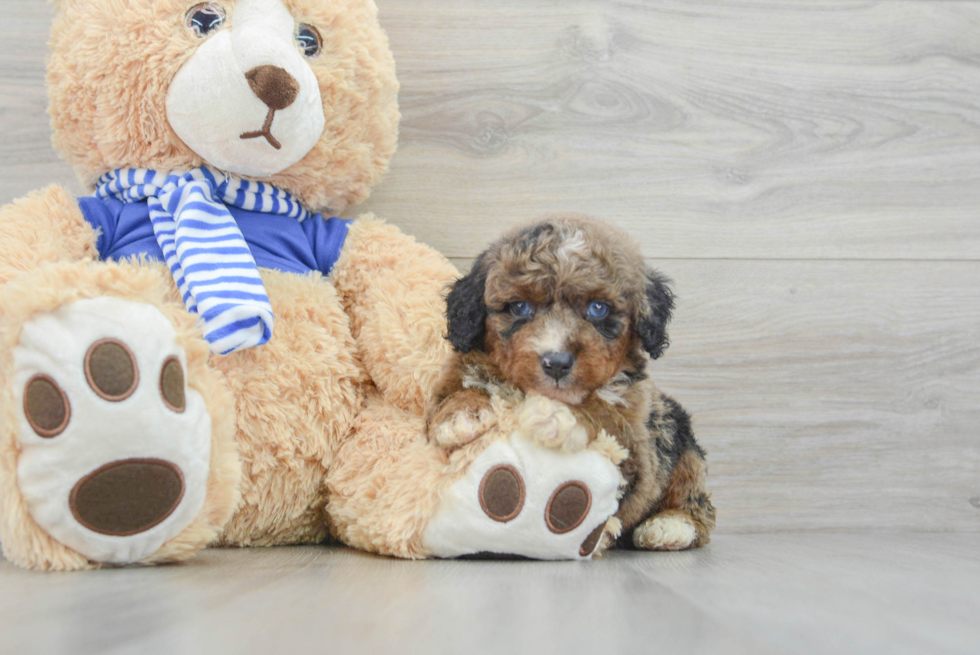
204 248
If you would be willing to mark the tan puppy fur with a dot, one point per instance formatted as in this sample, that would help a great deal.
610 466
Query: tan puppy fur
566 309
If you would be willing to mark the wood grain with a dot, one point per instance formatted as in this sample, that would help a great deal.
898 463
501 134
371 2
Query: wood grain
817 129
808 172
829 593
831 395
27 160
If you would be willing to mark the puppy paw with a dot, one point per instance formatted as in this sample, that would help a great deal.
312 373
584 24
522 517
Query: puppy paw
551 424
461 427
671 532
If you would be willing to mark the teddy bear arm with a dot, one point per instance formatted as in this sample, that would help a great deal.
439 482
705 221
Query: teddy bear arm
43 227
392 288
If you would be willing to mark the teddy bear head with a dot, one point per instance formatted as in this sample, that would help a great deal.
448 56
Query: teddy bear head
301 94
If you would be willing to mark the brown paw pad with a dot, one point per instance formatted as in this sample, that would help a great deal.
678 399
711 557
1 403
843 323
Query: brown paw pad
46 406
127 497
568 507
172 385
110 369
588 546
502 493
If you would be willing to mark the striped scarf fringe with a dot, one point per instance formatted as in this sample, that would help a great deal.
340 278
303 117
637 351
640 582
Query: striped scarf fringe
207 255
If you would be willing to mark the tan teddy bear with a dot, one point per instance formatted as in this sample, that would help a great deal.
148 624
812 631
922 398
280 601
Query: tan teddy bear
193 356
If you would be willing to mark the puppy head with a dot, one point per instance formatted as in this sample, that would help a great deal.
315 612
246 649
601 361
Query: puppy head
562 306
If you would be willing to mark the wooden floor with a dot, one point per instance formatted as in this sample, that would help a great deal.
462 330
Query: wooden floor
755 594
809 174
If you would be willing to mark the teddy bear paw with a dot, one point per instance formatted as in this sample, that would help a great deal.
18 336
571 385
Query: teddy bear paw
114 446
551 424
520 497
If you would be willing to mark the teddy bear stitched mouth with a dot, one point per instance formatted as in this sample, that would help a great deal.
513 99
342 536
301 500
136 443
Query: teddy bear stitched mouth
278 90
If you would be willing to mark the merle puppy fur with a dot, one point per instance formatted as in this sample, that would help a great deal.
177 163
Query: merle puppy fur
567 308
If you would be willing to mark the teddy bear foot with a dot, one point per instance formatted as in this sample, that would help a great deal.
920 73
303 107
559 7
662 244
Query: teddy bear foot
114 446
520 497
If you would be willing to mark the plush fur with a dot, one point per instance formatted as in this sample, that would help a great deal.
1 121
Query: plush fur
525 305
280 413
50 287
319 432
112 64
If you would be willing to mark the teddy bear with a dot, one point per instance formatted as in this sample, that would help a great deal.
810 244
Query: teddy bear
194 355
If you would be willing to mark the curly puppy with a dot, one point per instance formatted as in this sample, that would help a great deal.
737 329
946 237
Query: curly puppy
567 309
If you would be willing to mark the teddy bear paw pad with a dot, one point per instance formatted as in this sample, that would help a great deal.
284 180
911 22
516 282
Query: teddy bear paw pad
115 448
521 498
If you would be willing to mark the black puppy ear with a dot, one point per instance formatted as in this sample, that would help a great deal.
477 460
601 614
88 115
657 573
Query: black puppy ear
652 324
466 313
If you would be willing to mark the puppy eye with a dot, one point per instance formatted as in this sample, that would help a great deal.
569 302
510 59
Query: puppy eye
598 309
309 40
205 18
520 309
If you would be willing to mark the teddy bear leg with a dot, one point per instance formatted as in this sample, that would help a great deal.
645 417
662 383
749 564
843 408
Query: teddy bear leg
535 487
386 482
116 437
297 397
515 491
393 290
45 226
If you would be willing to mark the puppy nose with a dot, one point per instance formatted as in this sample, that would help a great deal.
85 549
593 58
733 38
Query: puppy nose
273 85
557 365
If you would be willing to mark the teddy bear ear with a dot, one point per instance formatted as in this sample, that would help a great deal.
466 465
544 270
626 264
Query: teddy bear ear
466 311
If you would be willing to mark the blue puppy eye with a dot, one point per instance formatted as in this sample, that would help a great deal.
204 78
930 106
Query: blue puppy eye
520 309
598 310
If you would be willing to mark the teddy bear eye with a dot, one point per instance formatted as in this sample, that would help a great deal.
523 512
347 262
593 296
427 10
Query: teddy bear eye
205 18
309 40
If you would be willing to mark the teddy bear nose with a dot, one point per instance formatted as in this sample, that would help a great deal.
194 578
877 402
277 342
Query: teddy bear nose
557 365
273 85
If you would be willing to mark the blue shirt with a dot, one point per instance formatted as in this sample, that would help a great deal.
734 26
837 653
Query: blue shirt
277 242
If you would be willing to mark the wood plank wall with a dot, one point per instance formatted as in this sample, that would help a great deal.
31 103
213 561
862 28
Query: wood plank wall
807 172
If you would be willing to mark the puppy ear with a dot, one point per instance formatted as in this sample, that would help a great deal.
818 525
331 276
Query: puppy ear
466 312
652 323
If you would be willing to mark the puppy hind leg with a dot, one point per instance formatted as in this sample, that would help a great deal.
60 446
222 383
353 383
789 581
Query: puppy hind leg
684 516
393 289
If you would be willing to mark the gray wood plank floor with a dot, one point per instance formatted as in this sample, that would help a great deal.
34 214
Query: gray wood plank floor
800 593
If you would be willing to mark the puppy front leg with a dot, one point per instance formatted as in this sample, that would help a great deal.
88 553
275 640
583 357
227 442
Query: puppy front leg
596 415
461 418
569 428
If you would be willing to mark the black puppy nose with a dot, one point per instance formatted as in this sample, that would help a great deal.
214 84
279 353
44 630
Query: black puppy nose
557 365
273 85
